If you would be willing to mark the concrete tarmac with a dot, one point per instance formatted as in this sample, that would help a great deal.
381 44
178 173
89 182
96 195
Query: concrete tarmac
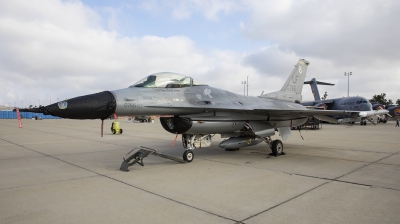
62 171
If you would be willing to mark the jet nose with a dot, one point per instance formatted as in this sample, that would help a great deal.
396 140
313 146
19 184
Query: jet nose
94 106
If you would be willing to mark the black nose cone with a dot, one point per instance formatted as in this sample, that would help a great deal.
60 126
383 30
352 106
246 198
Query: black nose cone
94 106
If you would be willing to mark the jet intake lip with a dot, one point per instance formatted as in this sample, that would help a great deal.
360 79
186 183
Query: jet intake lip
94 106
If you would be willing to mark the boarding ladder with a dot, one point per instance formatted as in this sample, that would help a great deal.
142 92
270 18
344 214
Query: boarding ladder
137 155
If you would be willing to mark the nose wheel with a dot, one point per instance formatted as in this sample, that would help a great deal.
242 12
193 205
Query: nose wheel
188 156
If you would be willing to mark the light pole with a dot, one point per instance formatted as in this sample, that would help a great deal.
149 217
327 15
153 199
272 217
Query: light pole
244 87
348 81
247 85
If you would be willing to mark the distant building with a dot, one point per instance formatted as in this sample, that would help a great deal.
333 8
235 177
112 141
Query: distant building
3 107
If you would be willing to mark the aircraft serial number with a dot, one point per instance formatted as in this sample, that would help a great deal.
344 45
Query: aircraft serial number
133 105
291 88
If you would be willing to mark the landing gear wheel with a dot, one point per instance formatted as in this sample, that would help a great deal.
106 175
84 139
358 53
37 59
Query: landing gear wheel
120 131
365 123
188 156
277 148
113 131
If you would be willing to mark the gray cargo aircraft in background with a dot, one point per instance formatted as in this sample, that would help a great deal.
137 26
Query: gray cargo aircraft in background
198 110
353 103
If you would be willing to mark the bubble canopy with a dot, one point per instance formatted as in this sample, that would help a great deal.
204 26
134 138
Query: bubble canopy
167 80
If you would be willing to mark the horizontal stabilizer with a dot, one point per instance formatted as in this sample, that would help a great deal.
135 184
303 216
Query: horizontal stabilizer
319 83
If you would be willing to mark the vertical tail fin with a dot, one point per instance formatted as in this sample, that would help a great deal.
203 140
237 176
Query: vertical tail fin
314 88
291 90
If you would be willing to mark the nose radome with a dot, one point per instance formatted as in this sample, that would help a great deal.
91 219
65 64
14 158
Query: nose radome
94 106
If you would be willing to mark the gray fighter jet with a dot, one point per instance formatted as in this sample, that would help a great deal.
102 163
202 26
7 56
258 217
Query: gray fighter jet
197 111
353 103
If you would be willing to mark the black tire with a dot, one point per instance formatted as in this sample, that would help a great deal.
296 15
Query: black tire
232 149
188 156
365 123
113 131
120 131
277 147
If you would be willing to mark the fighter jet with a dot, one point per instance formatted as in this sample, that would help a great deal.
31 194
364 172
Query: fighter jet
355 103
197 111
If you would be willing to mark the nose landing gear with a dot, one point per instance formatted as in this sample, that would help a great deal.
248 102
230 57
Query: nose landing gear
188 156
192 141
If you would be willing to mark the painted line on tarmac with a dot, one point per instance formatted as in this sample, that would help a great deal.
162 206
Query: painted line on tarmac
138 188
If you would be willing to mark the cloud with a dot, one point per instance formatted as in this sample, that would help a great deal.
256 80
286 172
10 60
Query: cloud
347 32
335 36
185 9
62 49
270 60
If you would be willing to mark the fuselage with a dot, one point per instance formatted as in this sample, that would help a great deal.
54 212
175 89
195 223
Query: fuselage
180 96
200 99
345 103
201 109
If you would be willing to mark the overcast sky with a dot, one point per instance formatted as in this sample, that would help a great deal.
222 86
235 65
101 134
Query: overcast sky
53 49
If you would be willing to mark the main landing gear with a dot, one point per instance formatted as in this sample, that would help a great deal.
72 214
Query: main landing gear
276 147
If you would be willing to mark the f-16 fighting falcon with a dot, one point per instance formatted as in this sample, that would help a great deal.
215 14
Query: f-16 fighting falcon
197 111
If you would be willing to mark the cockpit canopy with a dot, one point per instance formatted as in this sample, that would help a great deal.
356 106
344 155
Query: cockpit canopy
167 80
